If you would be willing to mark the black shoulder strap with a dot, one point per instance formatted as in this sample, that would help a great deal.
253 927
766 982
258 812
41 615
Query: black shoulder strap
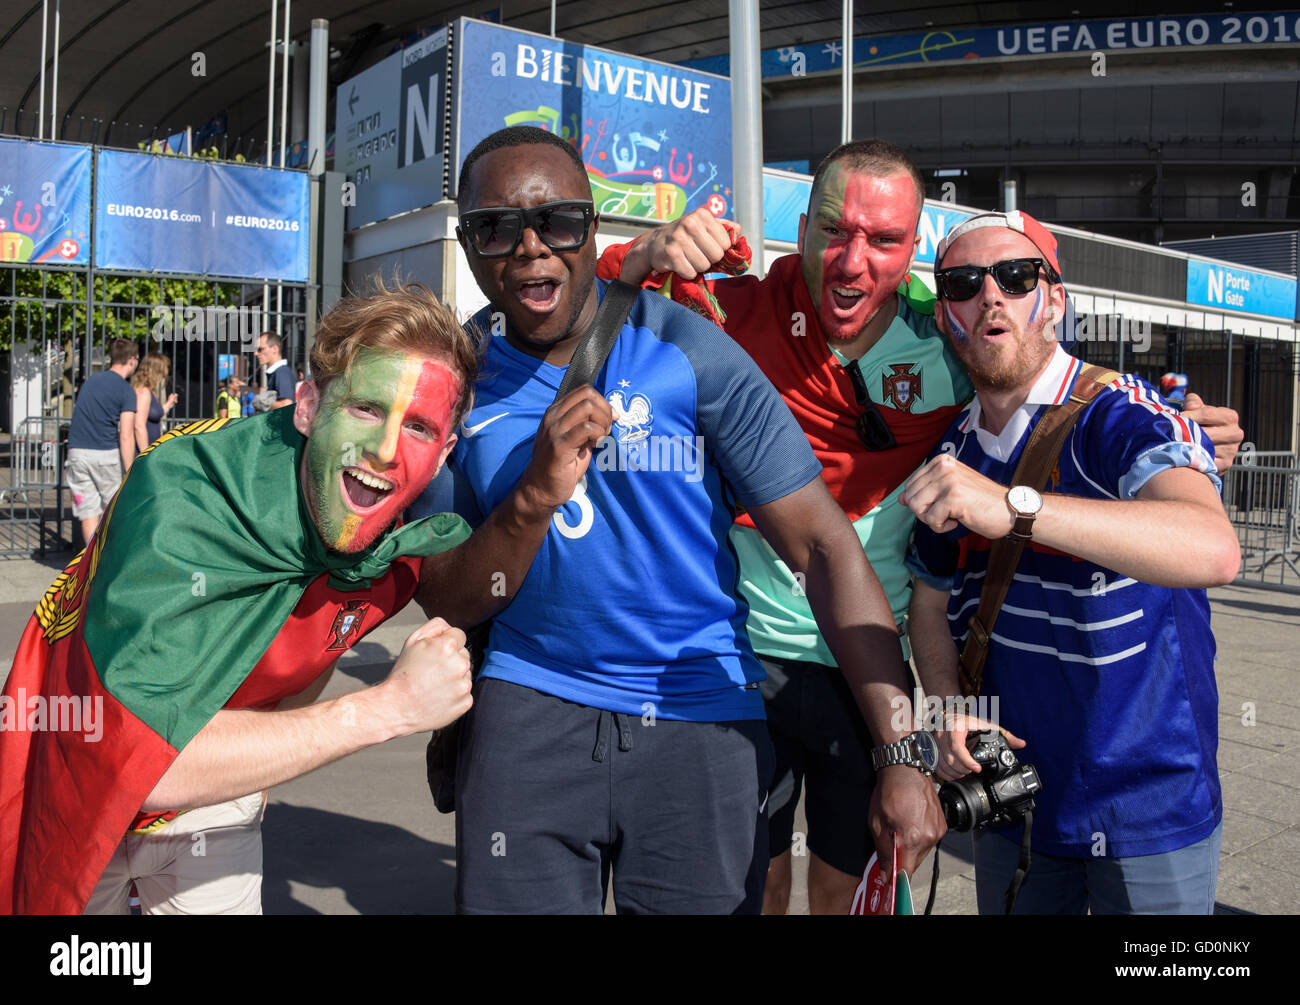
594 348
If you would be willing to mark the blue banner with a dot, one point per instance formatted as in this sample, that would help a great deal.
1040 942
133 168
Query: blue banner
785 199
1044 39
44 202
171 214
1243 290
656 139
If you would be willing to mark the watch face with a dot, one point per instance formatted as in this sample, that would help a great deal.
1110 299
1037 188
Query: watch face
927 749
1024 500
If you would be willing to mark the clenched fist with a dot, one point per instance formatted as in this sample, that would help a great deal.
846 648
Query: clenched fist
429 685
688 247
570 430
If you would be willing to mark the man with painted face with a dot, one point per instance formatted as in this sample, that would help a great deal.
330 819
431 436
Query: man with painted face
849 340
1102 657
237 563
617 722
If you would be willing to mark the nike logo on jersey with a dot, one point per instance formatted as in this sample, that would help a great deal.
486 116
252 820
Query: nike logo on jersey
471 430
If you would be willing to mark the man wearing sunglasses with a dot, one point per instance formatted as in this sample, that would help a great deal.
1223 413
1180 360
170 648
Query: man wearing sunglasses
1102 657
617 722
849 340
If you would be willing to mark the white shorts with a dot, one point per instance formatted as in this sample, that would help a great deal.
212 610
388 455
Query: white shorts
206 861
93 476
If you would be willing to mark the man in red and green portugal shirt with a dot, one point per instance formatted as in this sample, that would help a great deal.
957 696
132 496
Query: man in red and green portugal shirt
848 337
238 561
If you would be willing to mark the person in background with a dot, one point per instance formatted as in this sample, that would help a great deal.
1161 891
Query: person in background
101 441
1173 388
299 382
279 378
228 405
149 381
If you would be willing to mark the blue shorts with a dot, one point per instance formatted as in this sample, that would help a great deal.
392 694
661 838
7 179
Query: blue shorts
552 795
1174 882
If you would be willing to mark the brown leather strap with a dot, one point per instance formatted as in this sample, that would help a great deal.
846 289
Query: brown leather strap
1035 466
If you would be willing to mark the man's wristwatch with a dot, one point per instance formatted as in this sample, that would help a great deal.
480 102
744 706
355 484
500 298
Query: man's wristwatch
1024 504
918 750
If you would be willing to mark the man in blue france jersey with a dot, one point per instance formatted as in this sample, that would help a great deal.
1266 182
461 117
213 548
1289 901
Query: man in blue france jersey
1102 656
618 723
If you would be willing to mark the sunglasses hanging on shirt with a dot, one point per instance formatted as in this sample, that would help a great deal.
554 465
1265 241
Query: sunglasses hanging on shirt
873 430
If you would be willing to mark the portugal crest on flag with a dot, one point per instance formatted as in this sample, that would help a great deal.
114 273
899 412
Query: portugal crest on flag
902 387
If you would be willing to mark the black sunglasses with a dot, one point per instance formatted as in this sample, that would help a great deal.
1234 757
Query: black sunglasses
496 231
873 430
1017 276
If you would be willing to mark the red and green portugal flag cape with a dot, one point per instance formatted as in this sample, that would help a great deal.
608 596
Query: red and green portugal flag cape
203 555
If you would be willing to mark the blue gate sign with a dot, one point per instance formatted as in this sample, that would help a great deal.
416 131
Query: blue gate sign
44 202
174 214
1244 291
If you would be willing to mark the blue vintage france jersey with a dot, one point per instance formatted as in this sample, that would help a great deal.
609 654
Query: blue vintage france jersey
632 596
1109 680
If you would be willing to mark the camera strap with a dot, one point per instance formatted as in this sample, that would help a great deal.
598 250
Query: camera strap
1036 463
595 346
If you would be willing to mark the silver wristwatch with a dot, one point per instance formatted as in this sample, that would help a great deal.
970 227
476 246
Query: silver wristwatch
918 750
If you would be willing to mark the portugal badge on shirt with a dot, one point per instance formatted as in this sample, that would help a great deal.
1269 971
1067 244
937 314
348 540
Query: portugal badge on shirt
347 623
903 387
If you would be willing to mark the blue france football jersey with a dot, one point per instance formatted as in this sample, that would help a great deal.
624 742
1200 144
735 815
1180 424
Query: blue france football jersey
1109 680
631 604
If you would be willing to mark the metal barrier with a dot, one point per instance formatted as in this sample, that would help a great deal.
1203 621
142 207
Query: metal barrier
35 481
1261 492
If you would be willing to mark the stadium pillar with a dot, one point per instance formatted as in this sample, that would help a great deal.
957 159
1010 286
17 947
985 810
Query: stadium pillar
317 100
846 75
317 96
747 125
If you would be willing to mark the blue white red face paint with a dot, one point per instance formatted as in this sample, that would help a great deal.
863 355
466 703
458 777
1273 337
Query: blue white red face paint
959 331
1038 303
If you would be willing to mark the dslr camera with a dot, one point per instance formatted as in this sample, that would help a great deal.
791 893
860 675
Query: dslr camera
999 794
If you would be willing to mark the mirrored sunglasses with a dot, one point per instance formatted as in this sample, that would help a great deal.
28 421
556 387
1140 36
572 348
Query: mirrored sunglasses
497 230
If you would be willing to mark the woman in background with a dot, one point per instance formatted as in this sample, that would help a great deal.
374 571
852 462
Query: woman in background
149 381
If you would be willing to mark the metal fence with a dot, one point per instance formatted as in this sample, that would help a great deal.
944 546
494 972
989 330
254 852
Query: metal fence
57 323
1261 492
35 479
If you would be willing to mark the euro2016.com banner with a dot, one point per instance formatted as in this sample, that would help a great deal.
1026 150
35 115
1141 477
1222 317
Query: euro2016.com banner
655 138
167 214
44 202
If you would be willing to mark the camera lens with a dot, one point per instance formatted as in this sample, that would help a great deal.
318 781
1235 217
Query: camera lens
964 803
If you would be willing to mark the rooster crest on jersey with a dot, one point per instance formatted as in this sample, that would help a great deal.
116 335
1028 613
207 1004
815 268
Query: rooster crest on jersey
347 623
902 387
633 417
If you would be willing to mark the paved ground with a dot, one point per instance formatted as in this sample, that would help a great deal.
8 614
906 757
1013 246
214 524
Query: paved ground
362 836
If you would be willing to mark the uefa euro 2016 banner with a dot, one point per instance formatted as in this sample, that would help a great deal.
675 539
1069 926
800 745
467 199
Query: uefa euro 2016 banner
169 214
1009 41
655 138
44 202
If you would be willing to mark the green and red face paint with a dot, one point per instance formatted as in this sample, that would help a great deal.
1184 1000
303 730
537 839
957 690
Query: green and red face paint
377 440
857 245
